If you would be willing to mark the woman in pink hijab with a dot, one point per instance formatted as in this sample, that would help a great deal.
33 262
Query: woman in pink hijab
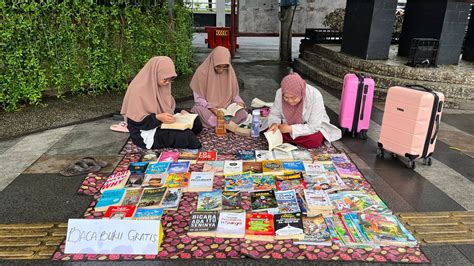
299 113
215 86
148 103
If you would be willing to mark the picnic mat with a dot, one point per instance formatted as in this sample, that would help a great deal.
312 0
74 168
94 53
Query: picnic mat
177 245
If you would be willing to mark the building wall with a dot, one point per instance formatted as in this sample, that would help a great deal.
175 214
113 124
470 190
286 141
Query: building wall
262 15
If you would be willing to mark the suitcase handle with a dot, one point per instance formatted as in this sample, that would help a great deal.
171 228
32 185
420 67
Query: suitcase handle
419 87
437 129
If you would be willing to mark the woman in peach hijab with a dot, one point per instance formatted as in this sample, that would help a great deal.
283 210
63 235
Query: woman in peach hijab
215 86
148 103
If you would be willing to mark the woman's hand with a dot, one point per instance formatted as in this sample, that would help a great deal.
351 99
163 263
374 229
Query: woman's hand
214 111
273 127
285 128
184 112
166 118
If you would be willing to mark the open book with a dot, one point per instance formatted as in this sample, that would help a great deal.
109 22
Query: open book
182 122
231 109
275 142
257 103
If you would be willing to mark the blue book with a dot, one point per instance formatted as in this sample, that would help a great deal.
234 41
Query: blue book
109 198
157 168
296 166
178 167
148 214
246 155
138 167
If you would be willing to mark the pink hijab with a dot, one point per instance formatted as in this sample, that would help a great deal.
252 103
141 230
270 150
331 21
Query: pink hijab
294 85
219 90
144 96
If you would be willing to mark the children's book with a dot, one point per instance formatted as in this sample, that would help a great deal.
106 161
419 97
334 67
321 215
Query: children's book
231 109
350 222
314 169
288 226
317 199
326 182
180 180
259 226
302 155
169 156
231 167
231 225
148 214
273 167
131 197
289 176
200 181
155 180
231 201
120 212
188 154
157 168
210 201
339 158
138 167
287 201
207 156
152 197
238 182
264 155
275 142
111 197
254 167
203 224
322 157
316 232
347 170
149 157
282 155
386 230
117 180
263 182
246 155
171 199
135 180
263 201
178 167
296 184
356 201
295 166
182 122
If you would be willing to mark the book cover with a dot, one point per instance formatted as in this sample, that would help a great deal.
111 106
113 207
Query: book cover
157 168
314 169
231 225
117 180
148 214
327 182
263 200
111 197
322 157
254 167
296 184
283 155
152 197
200 181
347 170
287 201
238 182
119 212
316 232
188 154
264 155
135 180
286 147
289 176
203 223
169 156
302 155
259 226
172 198
231 200
154 180
231 167
131 197
178 180
263 182
296 166
207 156
210 201
246 155
178 167
317 199
217 167
182 122
356 201
138 167
339 158
288 226
386 230
328 167
273 167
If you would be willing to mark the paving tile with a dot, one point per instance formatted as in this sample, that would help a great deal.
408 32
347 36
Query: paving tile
463 122
7 144
445 255
467 250
52 164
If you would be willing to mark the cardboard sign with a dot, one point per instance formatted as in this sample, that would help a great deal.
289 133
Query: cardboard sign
94 236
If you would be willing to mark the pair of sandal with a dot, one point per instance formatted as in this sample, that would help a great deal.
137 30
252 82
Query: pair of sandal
83 166
120 127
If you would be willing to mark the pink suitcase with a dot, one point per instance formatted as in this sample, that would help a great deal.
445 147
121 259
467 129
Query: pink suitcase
410 123
356 104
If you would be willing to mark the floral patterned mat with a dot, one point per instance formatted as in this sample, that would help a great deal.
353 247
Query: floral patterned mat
177 245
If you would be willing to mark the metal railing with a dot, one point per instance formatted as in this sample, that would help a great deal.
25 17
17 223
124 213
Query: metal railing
203 6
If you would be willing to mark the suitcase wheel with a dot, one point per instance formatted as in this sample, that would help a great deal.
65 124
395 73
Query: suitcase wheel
380 152
411 164
363 134
427 161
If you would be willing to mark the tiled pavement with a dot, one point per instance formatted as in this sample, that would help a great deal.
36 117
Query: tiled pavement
32 192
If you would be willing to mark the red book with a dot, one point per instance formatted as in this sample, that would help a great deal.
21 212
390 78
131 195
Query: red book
207 156
120 212
259 226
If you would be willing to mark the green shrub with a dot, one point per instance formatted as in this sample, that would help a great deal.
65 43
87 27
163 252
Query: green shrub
83 47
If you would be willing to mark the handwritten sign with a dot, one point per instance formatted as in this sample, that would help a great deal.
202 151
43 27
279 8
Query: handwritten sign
94 236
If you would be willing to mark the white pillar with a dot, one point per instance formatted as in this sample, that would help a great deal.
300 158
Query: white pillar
220 13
